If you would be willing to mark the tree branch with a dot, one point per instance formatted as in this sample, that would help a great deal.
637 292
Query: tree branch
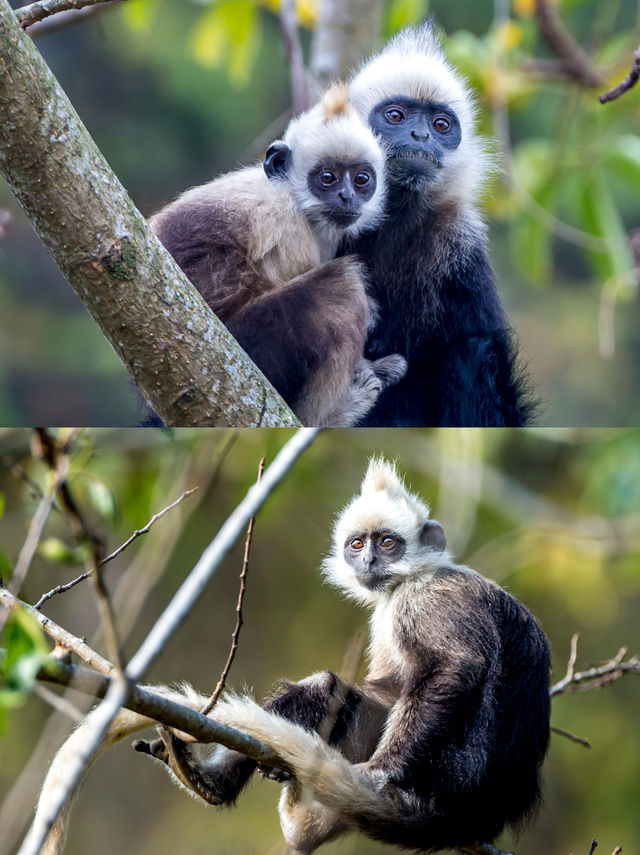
61 589
628 83
345 34
577 63
213 700
42 9
186 362
596 677
293 48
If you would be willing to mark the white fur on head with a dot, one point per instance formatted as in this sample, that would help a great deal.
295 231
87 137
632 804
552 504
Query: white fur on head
413 65
333 130
383 503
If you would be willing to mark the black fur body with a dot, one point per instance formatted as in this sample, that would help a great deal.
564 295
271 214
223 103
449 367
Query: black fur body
430 274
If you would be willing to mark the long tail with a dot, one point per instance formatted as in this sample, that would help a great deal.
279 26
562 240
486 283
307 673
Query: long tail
125 724
335 782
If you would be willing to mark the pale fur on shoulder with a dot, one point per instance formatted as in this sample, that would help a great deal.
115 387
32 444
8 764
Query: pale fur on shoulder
275 238
414 65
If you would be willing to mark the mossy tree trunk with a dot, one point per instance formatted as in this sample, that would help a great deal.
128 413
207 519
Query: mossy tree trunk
190 368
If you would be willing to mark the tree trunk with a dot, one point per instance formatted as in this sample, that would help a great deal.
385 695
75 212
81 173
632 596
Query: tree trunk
347 31
188 365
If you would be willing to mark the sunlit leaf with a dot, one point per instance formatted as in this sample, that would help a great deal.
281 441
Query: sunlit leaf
58 552
402 13
229 33
601 216
99 495
1 505
624 159
6 567
25 650
138 14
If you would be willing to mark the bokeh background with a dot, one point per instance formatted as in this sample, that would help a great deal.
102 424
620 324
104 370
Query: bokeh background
177 92
552 515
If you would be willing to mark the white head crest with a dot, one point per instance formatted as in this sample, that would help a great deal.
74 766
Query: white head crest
384 503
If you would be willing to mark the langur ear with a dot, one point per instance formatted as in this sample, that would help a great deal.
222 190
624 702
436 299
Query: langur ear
277 160
432 535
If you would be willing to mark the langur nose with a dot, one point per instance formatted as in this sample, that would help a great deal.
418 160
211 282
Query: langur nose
420 137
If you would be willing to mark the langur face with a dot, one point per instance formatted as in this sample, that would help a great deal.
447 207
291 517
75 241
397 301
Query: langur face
342 190
372 555
419 136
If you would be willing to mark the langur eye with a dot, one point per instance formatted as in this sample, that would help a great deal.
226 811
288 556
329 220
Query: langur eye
362 179
388 542
327 178
394 115
356 543
442 124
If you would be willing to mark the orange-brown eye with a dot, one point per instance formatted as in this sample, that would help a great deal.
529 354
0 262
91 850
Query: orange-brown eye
362 179
388 542
327 178
394 115
442 124
356 543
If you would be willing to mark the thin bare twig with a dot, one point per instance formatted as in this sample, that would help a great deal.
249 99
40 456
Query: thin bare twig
130 594
594 845
84 533
576 61
596 677
59 703
60 589
566 733
42 9
293 48
57 474
213 700
628 83
58 634
187 595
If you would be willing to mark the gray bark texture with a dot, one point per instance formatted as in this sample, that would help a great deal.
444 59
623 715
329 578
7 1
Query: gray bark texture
181 356
346 33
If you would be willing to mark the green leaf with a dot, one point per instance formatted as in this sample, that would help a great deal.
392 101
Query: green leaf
623 159
100 497
25 650
6 567
401 13
600 216
1 505
57 552
229 33
138 14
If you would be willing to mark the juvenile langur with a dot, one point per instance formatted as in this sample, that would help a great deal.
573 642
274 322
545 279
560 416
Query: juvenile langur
442 744
260 243
427 262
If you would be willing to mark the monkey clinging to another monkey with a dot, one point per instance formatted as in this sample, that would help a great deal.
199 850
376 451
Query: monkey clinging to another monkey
441 745
259 245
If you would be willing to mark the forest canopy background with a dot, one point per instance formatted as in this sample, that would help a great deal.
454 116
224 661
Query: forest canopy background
174 93
554 516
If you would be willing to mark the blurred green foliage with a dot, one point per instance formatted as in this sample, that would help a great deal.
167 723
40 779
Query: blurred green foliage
553 515
175 93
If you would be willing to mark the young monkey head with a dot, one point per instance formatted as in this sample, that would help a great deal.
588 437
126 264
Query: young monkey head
333 167
383 537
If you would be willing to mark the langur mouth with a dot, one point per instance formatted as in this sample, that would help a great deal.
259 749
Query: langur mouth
344 219
373 581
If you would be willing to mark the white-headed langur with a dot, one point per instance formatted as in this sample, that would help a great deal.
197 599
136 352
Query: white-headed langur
440 747
259 244
427 261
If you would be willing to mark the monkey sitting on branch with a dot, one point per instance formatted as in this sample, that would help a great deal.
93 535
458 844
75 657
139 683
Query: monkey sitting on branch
442 744
259 244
